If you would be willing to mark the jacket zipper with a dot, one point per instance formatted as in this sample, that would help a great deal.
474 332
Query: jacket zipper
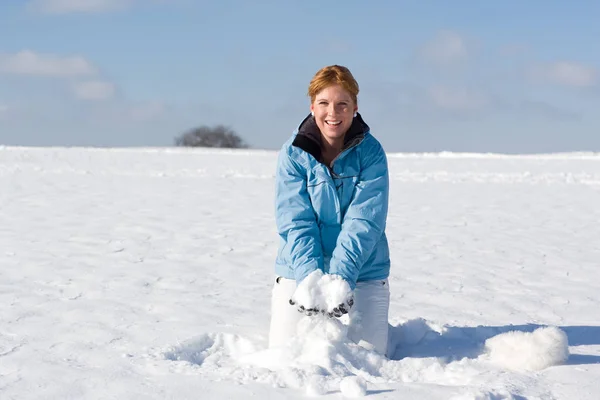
345 151
331 173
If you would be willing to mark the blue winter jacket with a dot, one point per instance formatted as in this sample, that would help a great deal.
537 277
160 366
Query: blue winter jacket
332 219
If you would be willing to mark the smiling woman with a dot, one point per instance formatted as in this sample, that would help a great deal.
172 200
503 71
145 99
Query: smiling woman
333 93
331 211
332 124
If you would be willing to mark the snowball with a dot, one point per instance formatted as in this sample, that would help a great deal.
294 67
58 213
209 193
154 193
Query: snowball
353 387
523 351
322 291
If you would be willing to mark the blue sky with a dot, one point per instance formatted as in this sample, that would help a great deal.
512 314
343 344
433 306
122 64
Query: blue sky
509 77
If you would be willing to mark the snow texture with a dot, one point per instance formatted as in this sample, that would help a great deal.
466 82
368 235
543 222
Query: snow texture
147 274
353 387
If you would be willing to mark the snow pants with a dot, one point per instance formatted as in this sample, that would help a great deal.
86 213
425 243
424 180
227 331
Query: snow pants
368 317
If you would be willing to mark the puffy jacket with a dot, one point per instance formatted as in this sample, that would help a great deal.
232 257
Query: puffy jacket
334 218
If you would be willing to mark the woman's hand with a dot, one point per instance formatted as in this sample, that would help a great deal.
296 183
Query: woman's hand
343 308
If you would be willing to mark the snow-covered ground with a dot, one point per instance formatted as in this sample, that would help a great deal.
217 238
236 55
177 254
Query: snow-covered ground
146 274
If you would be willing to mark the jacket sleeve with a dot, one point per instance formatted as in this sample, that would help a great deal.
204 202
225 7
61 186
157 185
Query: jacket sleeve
295 218
365 219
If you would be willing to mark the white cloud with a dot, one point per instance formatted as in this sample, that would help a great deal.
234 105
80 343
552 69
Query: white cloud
457 99
78 6
94 90
447 47
566 73
29 63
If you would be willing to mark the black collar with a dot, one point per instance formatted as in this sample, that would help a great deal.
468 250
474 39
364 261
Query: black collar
309 135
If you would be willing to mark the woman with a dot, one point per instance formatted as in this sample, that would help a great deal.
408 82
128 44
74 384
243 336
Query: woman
331 209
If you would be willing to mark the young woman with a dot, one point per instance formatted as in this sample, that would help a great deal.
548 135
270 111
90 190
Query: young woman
331 209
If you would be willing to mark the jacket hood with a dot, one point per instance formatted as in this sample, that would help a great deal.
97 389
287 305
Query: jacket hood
309 135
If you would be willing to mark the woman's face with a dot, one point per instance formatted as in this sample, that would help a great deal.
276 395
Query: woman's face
334 110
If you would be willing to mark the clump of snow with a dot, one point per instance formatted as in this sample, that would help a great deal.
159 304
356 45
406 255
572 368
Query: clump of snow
308 293
524 351
353 387
322 291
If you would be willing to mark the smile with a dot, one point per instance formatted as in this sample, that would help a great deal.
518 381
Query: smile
333 123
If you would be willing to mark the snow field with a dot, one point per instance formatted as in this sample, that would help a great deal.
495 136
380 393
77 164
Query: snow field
146 273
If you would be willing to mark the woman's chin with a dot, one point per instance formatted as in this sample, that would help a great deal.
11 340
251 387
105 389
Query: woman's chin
334 131
333 136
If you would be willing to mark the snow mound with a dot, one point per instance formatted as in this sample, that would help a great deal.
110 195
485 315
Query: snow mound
319 360
524 351
321 346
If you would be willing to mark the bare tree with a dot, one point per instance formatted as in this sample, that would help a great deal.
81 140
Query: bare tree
205 136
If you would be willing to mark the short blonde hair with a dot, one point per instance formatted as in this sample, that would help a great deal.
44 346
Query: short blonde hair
333 75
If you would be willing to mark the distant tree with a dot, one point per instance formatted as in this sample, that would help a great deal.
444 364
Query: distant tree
205 136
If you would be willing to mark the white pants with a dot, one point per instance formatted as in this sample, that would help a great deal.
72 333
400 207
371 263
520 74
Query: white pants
368 317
